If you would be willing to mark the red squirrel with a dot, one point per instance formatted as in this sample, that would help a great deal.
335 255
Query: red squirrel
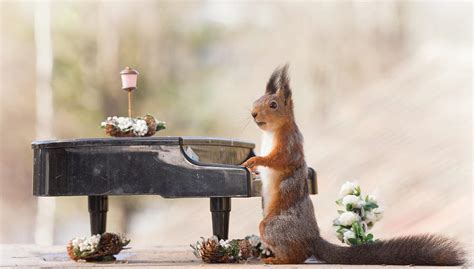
289 228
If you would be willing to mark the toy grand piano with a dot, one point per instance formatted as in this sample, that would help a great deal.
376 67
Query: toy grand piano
172 167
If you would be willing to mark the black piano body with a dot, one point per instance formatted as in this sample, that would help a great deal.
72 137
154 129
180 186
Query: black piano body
172 167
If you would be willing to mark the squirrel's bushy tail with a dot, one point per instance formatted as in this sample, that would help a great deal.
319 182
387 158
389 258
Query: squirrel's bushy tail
416 250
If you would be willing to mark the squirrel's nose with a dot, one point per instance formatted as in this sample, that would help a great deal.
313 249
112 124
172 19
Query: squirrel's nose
254 114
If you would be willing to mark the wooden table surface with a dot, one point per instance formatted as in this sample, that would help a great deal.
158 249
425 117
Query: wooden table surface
170 257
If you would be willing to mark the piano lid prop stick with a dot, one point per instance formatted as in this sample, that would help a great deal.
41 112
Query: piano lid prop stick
129 83
129 104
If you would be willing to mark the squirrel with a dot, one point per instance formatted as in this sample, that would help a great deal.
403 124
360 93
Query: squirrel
289 228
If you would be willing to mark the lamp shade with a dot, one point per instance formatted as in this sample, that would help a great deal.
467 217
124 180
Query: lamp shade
129 79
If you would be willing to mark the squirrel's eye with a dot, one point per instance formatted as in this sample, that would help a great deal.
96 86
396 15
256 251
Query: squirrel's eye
273 105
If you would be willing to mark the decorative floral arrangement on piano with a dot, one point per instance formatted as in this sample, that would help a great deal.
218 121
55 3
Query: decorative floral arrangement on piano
97 247
358 215
132 127
129 126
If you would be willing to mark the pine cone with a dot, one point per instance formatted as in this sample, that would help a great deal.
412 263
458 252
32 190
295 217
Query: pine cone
115 132
110 243
211 252
151 123
245 249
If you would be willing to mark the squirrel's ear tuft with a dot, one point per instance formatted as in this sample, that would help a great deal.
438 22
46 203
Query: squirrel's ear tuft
284 88
273 82
279 83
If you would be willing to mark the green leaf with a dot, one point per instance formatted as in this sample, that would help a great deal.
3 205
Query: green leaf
160 125
108 258
353 241
356 229
234 248
370 205
370 237
357 191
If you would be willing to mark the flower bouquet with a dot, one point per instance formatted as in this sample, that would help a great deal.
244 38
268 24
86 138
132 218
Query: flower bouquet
213 250
358 215
132 127
96 247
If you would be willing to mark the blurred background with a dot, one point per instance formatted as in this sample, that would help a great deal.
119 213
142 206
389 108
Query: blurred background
382 90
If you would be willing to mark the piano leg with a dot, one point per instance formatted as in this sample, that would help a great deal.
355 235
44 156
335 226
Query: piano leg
98 207
220 210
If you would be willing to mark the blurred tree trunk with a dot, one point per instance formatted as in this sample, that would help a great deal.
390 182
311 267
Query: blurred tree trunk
44 228
108 68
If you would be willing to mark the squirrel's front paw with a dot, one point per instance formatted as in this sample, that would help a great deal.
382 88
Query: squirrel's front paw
251 164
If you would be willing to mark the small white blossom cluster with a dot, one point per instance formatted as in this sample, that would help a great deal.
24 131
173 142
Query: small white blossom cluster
258 245
124 240
231 248
358 216
125 124
254 240
224 243
86 244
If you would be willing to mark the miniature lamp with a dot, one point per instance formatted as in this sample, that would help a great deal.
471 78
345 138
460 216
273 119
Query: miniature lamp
129 83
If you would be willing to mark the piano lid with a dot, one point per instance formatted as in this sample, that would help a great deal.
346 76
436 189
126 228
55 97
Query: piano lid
126 141
212 141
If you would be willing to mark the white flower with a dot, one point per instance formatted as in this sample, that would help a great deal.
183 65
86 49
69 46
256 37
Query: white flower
140 128
224 243
347 218
378 213
348 188
267 252
340 234
124 123
123 238
76 241
94 240
88 244
350 200
82 246
370 217
348 235
254 240
214 238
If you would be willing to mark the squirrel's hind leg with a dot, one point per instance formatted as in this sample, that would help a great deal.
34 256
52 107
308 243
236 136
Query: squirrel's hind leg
271 260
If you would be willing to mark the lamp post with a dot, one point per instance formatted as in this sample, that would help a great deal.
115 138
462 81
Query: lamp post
129 83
